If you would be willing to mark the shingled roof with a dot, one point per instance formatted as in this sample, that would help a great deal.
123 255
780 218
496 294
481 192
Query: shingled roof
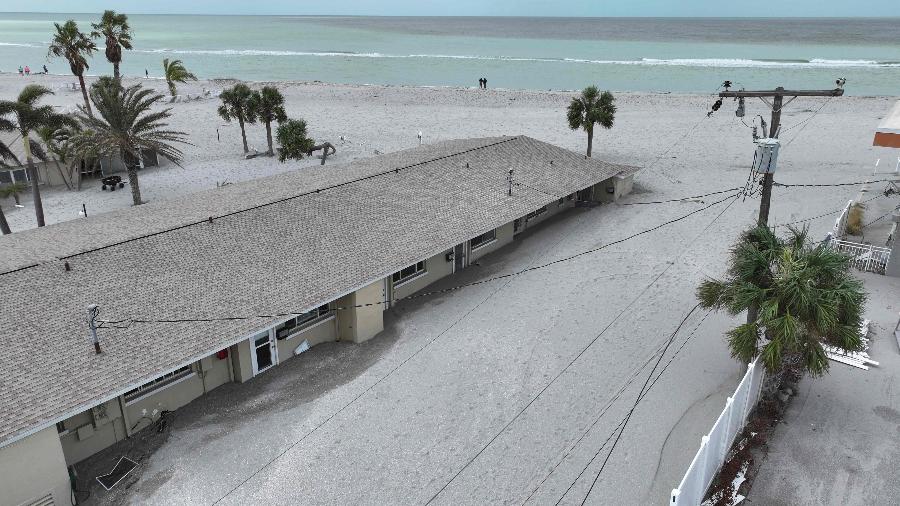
285 243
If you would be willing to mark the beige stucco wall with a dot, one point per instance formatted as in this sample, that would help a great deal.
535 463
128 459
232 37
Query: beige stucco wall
361 323
437 267
214 372
619 185
96 433
167 398
504 237
553 208
320 332
32 468
241 361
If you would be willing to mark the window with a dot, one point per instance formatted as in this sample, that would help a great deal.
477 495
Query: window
483 239
535 214
158 383
416 269
300 322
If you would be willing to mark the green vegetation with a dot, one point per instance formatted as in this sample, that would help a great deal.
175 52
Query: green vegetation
589 109
73 45
176 72
293 139
114 30
236 106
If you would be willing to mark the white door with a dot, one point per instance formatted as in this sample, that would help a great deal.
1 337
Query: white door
263 351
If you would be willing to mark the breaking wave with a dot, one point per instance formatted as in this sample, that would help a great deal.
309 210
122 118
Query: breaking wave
682 62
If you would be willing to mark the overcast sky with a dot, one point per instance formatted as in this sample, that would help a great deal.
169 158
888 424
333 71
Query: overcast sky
809 8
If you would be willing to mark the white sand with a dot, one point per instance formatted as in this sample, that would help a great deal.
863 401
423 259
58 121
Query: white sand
405 439
834 146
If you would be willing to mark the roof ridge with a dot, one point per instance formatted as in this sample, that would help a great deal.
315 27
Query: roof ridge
210 219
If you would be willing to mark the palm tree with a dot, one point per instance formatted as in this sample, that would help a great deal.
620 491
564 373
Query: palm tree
176 72
76 47
591 108
113 27
5 191
236 105
806 297
127 126
6 154
293 139
27 117
53 138
267 105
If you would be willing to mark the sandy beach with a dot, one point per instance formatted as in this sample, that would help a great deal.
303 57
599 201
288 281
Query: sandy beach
704 154
456 395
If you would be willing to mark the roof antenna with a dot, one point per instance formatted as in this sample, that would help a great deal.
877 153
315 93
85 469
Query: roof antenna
93 311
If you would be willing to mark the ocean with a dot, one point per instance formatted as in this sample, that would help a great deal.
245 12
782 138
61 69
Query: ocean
683 55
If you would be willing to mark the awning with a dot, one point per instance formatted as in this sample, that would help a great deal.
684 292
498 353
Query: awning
888 133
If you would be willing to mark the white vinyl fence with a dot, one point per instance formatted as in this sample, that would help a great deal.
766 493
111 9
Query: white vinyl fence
714 446
840 224
865 257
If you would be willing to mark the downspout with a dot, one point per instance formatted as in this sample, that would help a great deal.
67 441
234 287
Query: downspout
125 419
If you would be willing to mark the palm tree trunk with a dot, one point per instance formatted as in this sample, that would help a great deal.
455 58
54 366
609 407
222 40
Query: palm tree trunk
590 133
62 175
116 75
33 176
271 152
135 187
244 135
4 225
84 93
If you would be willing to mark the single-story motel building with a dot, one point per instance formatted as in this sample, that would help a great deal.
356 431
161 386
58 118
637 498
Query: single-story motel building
222 285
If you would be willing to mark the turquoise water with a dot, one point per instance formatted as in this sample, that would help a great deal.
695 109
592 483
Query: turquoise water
679 55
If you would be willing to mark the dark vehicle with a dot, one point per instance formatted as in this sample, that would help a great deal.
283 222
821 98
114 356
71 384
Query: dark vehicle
112 182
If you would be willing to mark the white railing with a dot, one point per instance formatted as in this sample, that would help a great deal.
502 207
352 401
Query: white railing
714 446
840 225
865 257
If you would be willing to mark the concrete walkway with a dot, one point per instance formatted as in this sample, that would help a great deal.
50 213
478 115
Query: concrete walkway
839 443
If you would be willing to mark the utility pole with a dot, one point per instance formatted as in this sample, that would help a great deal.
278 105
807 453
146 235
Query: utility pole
777 104
92 312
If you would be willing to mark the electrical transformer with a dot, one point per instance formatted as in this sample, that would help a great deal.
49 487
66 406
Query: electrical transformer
766 156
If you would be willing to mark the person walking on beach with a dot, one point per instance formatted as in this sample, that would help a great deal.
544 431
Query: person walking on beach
45 70
484 79
21 72
146 74
27 71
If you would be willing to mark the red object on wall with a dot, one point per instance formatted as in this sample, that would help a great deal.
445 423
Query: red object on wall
222 354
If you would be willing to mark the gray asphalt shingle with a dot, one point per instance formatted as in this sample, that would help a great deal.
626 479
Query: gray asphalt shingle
266 251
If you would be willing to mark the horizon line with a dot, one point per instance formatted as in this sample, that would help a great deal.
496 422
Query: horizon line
457 16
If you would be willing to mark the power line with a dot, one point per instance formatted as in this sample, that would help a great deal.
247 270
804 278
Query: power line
635 405
823 215
614 398
395 170
803 124
733 199
646 392
683 198
827 185
370 387
128 321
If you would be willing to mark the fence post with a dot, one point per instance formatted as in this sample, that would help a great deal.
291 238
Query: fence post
746 409
869 259
729 407
701 471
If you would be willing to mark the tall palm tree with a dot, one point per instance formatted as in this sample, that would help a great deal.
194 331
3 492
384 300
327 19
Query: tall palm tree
113 27
28 116
267 105
806 297
589 109
73 45
9 190
126 126
236 105
294 140
6 154
53 137
176 72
